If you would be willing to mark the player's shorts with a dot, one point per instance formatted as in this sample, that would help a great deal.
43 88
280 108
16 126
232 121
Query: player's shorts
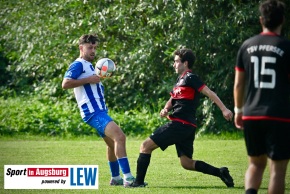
267 137
182 135
99 121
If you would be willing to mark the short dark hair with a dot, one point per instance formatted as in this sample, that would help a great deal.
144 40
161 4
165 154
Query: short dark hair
88 38
186 54
272 13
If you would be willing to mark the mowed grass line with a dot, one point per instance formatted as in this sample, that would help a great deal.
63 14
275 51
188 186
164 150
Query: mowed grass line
165 175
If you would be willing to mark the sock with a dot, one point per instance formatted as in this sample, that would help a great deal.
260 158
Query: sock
117 177
251 191
114 167
142 166
124 164
205 168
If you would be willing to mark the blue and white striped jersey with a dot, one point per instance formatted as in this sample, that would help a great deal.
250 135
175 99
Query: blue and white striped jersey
90 97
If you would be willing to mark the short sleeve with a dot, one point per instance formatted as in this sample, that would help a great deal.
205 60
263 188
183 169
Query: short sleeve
195 82
74 71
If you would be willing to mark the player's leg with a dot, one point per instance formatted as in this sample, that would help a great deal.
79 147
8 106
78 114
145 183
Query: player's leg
255 132
201 166
278 169
113 163
278 144
115 140
143 161
255 171
114 132
161 137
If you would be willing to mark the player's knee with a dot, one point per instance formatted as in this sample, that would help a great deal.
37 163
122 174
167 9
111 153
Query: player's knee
146 146
120 138
186 166
187 163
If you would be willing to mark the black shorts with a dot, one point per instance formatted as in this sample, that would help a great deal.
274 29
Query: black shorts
182 135
267 137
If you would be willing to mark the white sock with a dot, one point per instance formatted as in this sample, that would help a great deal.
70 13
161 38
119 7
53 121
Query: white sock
127 175
116 177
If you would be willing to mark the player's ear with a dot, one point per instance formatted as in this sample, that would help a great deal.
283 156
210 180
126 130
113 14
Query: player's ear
81 47
261 19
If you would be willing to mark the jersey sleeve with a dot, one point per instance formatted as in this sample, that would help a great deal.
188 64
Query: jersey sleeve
74 71
239 63
195 82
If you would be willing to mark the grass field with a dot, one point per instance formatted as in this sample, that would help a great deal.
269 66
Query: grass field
164 175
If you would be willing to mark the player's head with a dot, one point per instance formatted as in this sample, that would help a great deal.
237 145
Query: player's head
87 45
185 55
272 13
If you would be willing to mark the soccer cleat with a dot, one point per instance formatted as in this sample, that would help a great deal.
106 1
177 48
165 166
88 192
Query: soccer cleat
135 184
226 177
128 181
114 182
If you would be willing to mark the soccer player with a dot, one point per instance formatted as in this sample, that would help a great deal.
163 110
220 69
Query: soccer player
261 95
180 131
89 94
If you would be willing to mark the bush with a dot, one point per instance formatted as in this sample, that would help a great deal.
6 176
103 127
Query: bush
54 117
39 40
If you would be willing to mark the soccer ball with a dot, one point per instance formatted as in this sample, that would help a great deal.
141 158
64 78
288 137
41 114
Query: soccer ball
105 67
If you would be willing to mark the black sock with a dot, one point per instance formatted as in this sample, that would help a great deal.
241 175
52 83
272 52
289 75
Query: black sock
142 166
205 168
251 191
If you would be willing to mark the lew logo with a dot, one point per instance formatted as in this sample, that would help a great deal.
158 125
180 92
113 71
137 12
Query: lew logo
83 176
51 177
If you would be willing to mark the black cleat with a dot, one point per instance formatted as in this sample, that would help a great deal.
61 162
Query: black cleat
135 184
226 177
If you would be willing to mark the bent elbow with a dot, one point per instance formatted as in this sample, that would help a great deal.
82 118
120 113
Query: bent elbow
64 85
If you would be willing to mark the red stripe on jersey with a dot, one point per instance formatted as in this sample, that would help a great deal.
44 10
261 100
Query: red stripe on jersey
265 118
199 89
182 93
269 33
239 69
180 120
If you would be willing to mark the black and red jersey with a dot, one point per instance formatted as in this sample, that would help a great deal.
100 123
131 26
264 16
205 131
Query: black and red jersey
185 98
265 59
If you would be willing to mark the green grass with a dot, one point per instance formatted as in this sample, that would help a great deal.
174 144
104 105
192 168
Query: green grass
165 175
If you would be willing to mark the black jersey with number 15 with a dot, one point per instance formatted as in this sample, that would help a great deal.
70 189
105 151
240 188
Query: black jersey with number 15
265 59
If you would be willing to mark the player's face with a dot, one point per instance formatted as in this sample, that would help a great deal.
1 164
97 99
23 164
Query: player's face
88 51
178 65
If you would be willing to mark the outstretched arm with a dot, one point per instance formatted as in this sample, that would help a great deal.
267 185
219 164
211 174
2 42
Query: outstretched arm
228 115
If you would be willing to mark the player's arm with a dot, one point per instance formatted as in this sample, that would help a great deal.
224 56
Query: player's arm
168 106
209 93
68 83
239 87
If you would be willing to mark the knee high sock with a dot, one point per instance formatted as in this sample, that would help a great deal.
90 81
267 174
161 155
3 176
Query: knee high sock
142 166
205 168
124 164
114 167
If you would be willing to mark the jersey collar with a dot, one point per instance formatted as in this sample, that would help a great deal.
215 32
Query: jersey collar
269 33
185 73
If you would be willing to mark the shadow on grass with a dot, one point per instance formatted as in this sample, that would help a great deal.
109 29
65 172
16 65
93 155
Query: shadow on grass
195 187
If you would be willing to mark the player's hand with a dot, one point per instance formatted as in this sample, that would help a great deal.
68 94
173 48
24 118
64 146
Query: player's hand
164 112
238 121
94 79
228 115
